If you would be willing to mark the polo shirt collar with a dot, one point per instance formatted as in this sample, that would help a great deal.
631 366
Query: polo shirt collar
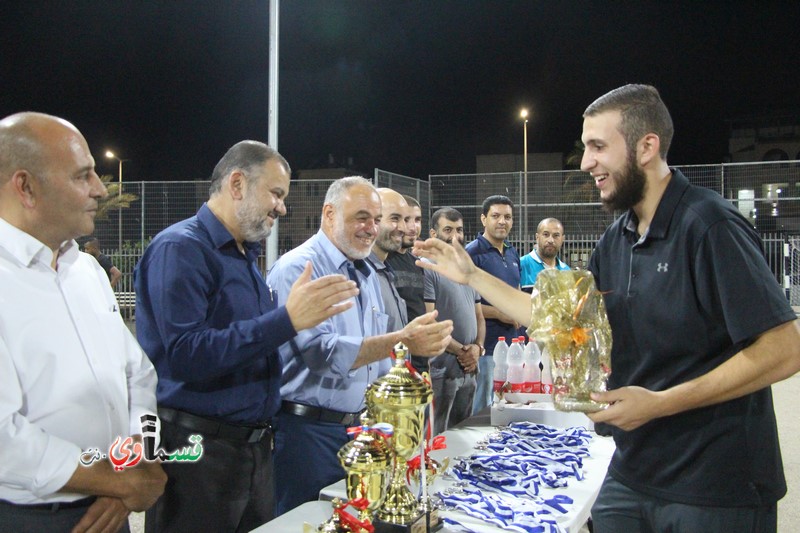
219 234
666 208
485 244
535 256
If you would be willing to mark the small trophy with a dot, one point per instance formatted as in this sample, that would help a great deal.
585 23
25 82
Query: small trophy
367 463
399 398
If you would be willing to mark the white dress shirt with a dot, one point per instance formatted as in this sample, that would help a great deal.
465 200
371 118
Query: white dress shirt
72 377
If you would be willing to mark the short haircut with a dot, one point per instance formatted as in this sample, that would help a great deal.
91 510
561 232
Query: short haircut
548 220
411 201
642 112
245 156
21 146
448 213
494 200
339 188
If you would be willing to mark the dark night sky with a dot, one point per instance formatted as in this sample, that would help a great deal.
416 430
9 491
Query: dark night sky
415 87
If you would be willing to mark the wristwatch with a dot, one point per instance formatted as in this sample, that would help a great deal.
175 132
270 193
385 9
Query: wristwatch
483 350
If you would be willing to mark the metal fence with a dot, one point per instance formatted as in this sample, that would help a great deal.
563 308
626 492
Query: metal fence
767 193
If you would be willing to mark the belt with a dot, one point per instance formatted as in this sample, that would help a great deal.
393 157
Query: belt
209 427
321 414
55 506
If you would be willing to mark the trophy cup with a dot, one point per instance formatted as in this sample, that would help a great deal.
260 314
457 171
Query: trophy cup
367 463
399 398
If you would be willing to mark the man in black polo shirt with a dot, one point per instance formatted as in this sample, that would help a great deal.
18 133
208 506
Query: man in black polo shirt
701 330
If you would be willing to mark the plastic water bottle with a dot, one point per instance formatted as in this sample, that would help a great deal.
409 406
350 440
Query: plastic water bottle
533 374
516 371
547 374
500 365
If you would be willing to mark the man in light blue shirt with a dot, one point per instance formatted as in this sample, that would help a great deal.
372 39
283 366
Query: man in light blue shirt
549 239
326 369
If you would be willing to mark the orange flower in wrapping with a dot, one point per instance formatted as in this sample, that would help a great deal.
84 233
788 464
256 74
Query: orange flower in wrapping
580 335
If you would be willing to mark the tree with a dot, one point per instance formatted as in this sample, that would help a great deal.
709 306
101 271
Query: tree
114 201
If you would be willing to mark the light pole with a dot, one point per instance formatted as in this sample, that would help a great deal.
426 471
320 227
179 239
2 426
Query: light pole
112 155
524 116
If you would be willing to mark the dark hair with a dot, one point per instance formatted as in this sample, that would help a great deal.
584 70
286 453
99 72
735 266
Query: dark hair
642 112
494 200
86 239
448 213
244 156
411 201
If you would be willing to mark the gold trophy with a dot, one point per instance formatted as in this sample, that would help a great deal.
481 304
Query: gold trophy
367 463
399 398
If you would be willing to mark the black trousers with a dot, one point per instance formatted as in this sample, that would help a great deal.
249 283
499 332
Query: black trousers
229 489
20 519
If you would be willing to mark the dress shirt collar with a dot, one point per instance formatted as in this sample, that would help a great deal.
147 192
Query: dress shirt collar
27 249
219 234
379 265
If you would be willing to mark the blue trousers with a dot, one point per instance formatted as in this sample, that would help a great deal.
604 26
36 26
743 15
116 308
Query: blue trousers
305 459
483 391
621 509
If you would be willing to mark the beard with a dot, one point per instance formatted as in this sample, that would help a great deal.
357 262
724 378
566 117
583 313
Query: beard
347 244
630 186
547 252
255 226
386 243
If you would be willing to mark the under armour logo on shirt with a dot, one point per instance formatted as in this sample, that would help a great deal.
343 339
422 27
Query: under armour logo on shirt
662 267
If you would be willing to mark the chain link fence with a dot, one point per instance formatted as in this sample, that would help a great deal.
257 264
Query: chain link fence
768 194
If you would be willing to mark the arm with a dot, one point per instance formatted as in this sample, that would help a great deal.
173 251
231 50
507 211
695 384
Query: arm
137 488
773 357
453 262
334 347
492 313
479 316
423 336
181 292
471 353
116 275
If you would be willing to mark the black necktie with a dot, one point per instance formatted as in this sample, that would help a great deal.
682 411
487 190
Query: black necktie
351 271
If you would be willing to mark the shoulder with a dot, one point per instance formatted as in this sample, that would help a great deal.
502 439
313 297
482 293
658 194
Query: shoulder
475 247
707 207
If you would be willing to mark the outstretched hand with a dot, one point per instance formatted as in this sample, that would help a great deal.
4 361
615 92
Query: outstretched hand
629 407
449 260
425 336
311 302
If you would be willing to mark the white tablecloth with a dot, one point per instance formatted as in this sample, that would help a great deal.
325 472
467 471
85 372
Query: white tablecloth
461 441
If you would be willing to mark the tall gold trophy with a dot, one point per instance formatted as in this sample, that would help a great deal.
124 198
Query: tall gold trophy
399 398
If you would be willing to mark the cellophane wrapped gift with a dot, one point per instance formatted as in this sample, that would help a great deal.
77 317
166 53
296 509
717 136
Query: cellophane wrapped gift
569 317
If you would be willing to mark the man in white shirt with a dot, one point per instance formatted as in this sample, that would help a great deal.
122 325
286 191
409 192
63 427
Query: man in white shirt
72 377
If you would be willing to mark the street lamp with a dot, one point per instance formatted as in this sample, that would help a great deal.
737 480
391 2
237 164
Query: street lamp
112 155
524 116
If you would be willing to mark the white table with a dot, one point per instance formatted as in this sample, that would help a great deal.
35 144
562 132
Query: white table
461 441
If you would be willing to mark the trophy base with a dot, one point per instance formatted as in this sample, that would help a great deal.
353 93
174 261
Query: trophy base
418 525
433 520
